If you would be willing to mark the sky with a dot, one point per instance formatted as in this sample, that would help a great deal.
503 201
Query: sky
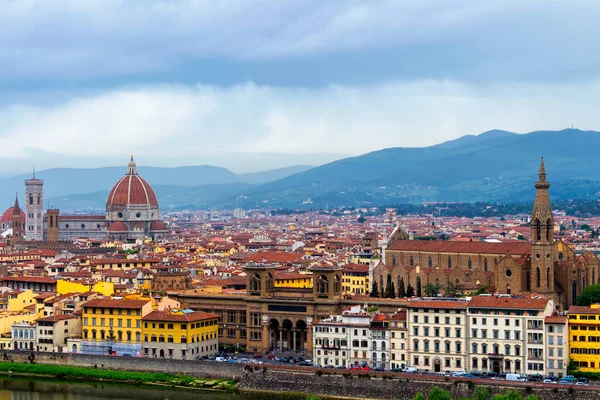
254 85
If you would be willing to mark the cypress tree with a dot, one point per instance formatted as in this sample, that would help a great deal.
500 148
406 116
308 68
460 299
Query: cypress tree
401 289
410 292
374 291
419 287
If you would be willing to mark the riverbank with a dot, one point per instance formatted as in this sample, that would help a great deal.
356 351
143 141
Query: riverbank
106 375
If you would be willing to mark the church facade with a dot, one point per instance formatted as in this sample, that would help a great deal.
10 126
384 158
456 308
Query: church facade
542 266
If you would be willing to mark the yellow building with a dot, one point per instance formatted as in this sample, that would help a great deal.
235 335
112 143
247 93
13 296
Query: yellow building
111 326
180 334
64 287
293 280
355 279
16 301
584 337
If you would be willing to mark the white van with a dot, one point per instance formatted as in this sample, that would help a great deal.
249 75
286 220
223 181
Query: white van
410 369
458 374
516 377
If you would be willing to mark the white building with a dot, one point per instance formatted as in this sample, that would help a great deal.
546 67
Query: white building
557 345
398 340
437 334
342 340
23 336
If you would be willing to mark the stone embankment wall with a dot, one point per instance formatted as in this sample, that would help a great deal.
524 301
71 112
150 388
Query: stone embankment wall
350 384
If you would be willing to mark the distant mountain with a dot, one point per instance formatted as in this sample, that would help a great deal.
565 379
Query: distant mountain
494 166
79 189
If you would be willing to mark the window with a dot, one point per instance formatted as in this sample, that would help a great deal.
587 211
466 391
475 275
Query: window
449 262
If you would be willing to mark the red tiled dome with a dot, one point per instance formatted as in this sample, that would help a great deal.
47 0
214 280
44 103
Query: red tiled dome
158 226
117 226
8 214
132 189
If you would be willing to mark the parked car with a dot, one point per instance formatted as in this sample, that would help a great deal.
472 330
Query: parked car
458 374
244 360
340 367
410 369
584 380
516 377
271 357
378 369
579 383
257 355
548 380
535 378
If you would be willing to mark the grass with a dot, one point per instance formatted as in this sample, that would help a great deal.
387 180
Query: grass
95 374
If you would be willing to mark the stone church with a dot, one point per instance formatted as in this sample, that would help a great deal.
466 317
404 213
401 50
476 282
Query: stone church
543 266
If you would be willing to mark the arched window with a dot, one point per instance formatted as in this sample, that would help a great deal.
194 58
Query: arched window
394 260
485 264
548 277
449 262
470 263
574 292
537 277
381 284
38 200
437 283
412 262
538 230
508 289
31 199
430 262
51 221
549 230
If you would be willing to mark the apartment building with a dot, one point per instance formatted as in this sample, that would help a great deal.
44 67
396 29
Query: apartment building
584 337
437 334
52 332
343 340
507 333
398 340
557 345
380 341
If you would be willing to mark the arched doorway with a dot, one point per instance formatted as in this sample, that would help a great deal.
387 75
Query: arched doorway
437 365
161 353
274 333
299 337
74 349
286 334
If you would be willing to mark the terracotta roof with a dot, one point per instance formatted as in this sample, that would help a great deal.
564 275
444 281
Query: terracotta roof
117 226
131 189
55 318
556 319
178 316
583 310
114 303
7 217
525 303
443 304
512 248
33 279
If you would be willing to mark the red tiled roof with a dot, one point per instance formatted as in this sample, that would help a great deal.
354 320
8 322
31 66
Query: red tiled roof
524 303
179 316
116 303
583 310
452 304
55 318
512 248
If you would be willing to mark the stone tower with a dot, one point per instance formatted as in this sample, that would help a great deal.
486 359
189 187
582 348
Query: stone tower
17 224
542 238
34 208
52 231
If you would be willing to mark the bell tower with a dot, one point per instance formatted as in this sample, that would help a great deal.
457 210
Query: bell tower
542 238
17 223
34 208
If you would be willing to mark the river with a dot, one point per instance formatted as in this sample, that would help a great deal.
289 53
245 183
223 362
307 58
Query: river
27 389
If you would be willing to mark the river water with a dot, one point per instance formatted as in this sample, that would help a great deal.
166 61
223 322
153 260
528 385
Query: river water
26 389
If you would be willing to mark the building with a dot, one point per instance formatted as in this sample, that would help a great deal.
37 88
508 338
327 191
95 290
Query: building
380 341
507 333
543 266
23 336
52 333
398 340
180 334
584 337
6 220
437 334
343 340
132 213
355 279
557 345
113 326
34 208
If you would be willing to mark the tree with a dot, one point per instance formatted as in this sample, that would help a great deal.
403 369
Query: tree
419 294
374 291
390 292
521 237
481 393
431 290
420 396
401 289
439 394
410 292
589 295
360 219
571 366
451 290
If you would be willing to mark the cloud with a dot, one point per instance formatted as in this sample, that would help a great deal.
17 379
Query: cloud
87 39
191 123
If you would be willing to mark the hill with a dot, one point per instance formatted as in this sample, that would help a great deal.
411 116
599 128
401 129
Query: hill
494 166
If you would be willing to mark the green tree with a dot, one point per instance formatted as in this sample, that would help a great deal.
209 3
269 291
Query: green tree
389 288
589 295
521 237
360 219
563 228
420 396
585 227
571 366
439 394
374 290
401 289
419 293
451 290
431 290
410 292
482 393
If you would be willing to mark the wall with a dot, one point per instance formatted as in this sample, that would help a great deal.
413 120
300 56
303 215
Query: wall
350 384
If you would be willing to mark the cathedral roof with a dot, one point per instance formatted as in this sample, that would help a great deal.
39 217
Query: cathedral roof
117 226
442 246
8 216
158 226
132 189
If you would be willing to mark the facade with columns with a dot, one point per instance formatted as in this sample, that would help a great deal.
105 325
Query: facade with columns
543 266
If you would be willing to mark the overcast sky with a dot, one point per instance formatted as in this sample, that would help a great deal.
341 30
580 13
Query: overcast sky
251 85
